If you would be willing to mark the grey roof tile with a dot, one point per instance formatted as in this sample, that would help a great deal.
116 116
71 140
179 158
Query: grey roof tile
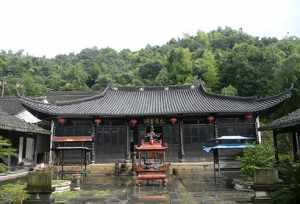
11 105
292 119
126 101
10 122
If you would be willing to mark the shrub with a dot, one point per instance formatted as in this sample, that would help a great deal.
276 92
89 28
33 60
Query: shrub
259 156
3 168
13 192
5 148
290 192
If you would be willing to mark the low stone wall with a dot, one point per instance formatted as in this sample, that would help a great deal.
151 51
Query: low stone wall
189 168
13 176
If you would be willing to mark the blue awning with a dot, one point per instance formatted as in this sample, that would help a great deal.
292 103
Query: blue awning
235 137
227 146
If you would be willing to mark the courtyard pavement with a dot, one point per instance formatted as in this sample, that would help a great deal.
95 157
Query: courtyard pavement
186 189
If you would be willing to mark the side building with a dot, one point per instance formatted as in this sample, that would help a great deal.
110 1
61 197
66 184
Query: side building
30 141
186 117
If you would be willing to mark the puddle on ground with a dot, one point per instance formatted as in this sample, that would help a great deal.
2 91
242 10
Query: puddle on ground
187 188
111 190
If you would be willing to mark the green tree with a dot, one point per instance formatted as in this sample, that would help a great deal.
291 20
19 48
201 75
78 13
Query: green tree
149 71
249 69
5 150
206 66
179 66
76 77
229 91
101 82
33 86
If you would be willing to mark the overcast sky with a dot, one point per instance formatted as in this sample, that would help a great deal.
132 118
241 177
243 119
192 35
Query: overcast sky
51 27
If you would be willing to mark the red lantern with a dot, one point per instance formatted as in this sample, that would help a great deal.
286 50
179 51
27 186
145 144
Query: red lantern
210 119
61 120
98 121
133 122
248 116
173 120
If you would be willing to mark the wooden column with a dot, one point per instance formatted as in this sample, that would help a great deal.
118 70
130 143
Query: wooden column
258 133
35 153
24 146
51 143
136 138
275 146
215 129
94 134
181 142
20 152
298 140
127 154
295 146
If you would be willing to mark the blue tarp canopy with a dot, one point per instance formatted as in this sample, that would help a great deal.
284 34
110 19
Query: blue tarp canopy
227 146
235 137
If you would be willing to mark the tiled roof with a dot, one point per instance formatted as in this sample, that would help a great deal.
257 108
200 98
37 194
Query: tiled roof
61 96
11 105
9 122
143 101
292 119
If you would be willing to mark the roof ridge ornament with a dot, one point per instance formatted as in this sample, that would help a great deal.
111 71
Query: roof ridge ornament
292 86
110 84
200 84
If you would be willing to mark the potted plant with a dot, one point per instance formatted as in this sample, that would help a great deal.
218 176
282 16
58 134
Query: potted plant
257 163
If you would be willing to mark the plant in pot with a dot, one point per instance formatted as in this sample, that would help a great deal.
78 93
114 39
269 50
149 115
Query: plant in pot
257 163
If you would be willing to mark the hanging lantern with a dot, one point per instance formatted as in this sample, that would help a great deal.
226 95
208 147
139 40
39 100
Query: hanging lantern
133 122
61 120
248 116
173 120
211 119
98 121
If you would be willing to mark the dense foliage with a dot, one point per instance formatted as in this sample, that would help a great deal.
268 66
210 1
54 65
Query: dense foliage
260 156
229 61
289 193
5 150
13 193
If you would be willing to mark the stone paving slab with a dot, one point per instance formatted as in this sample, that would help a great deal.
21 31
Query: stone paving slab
14 175
189 189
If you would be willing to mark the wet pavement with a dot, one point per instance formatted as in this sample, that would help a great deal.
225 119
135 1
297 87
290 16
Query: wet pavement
187 188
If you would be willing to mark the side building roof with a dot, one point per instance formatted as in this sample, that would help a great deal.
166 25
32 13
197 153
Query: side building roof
290 120
12 123
150 101
61 96
11 105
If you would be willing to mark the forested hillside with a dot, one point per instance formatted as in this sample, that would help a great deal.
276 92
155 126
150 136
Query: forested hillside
230 62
